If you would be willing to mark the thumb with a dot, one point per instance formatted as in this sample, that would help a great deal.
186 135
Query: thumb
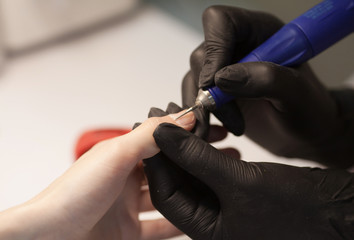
257 80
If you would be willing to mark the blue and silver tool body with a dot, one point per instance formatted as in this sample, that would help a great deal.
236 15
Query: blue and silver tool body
295 43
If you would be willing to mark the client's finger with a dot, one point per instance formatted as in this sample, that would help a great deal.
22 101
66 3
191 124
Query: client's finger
140 142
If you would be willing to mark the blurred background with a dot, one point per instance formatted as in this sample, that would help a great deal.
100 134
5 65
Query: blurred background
67 66
27 25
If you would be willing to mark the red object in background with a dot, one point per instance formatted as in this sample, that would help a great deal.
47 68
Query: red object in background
90 138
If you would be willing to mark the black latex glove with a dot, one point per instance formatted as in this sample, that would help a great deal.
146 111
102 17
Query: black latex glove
216 133
230 34
285 110
209 195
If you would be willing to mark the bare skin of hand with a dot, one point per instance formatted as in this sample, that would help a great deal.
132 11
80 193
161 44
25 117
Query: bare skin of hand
99 197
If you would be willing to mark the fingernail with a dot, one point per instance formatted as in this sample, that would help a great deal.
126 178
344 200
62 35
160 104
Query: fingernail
184 121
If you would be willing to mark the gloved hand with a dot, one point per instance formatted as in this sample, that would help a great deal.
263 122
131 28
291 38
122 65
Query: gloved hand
99 197
230 34
285 110
209 195
215 133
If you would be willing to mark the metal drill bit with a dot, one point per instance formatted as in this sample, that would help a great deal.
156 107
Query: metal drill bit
204 100
188 110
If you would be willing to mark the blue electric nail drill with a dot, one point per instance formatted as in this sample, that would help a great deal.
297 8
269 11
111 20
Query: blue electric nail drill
296 42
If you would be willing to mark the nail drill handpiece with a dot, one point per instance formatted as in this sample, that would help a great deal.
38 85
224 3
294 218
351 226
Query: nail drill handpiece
204 100
295 43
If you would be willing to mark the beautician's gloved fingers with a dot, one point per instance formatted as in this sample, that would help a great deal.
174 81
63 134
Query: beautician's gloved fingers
163 174
158 162
258 80
156 112
169 186
229 114
174 142
248 196
231 117
279 85
171 109
166 178
230 34
289 102
189 94
177 194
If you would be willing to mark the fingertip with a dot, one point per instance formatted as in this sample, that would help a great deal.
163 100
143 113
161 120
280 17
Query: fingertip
142 137
187 121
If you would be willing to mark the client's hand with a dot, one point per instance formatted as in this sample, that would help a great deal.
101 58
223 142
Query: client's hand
99 197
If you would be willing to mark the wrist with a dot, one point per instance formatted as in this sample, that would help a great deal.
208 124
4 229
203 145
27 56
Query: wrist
10 224
22 222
